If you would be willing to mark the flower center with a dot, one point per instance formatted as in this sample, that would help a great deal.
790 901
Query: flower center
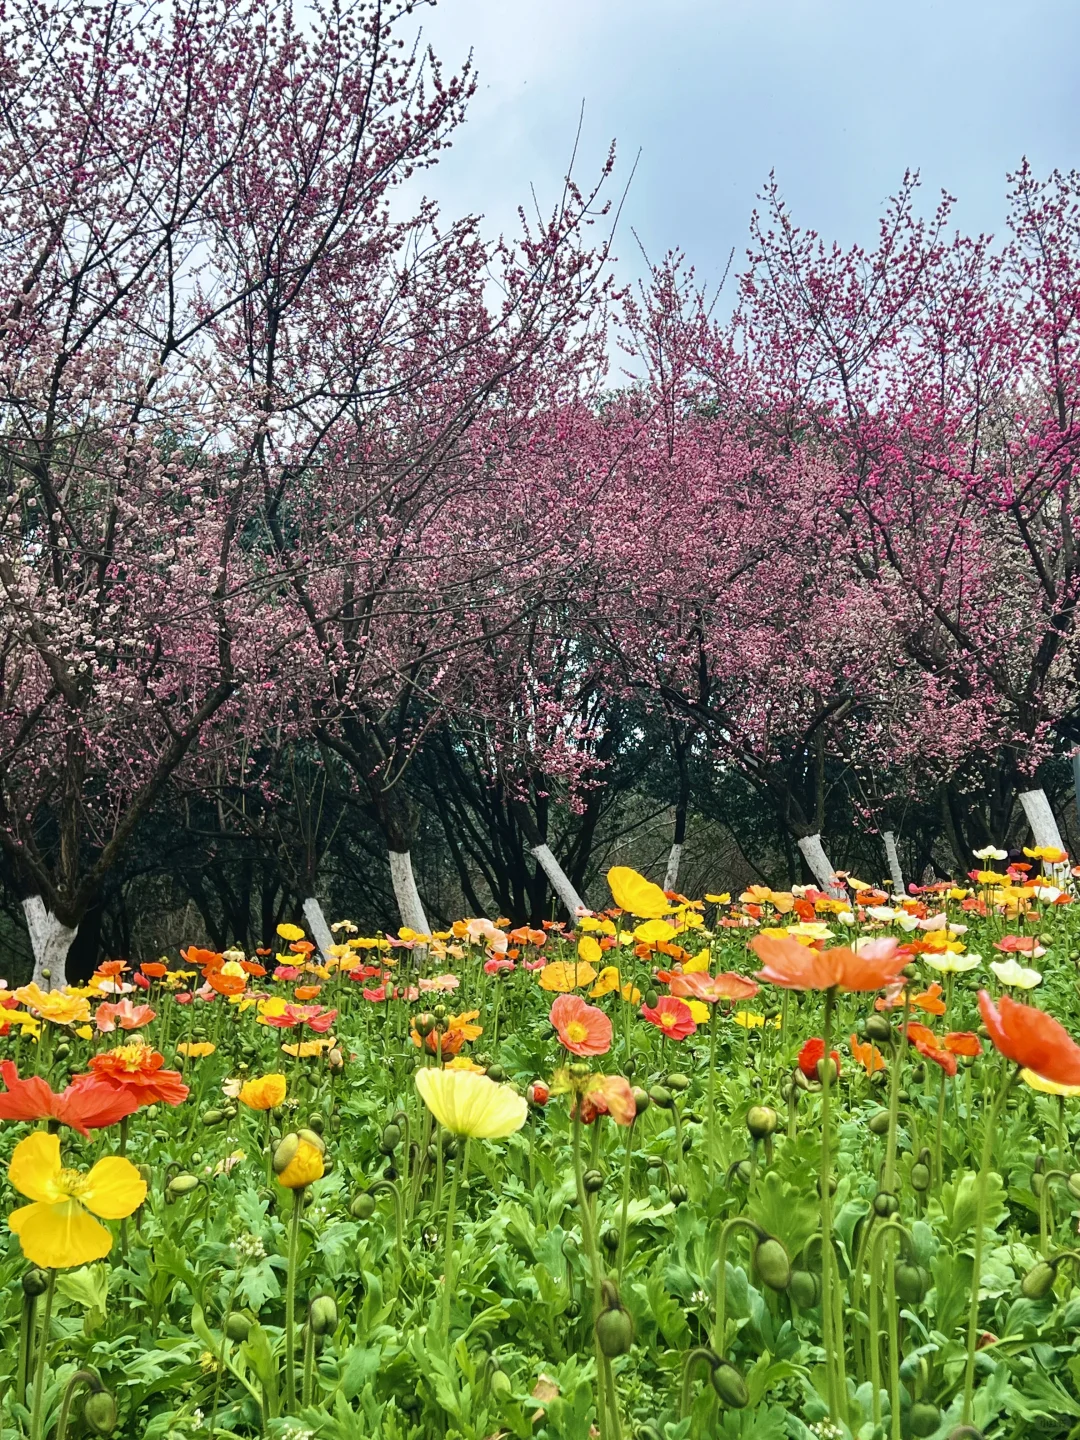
73 1183
131 1057
577 1031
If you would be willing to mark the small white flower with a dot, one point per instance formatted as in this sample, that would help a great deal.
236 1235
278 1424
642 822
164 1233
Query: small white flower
1047 893
958 929
934 922
882 912
845 917
907 923
1010 972
991 852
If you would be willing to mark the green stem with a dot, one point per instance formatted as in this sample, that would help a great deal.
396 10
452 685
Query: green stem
625 1198
588 1236
448 1257
290 1301
37 1408
81 1377
939 1133
832 1344
693 1358
889 1181
309 1364
26 1345
980 1221
726 1231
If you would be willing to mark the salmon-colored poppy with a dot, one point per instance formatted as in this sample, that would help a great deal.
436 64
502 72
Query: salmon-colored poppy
306 992
671 1015
711 988
583 1029
963 1042
89 1106
928 1046
796 967
1032 1039
608 1095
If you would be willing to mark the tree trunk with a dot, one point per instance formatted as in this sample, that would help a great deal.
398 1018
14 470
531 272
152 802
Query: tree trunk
558 879
410 906
671 874
813 853
51 940
313 914
894 862
1044 826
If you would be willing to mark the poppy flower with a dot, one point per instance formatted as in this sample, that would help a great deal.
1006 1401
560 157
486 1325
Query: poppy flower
671 1015
138 1070
469 1104
154 969
196 1049
202 959
306 992
449 1041
589 951
963 1042
1010 972
583 1029
633 893
289 932
710 988
1031 1038
926 1043
565 977
109 969
811 1054
866 1055
288 973
930 1000
265 1092
58 1230
608 1095
795 967
1048 1087
252 967
129 1017
304 1168
1018 945
89 1106
57 1006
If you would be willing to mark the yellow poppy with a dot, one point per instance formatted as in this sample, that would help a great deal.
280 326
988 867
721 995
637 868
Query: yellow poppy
58 1230
265 1092
561 976
697 964
290 932
632 892
724 899
589 950
655 932
413 937
469 1104
699 1010
751 1020
1048 1087
196 1049
305 1167
304 1049
606 982
462 1062
54 1005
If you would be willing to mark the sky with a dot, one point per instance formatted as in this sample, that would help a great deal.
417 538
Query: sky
838 97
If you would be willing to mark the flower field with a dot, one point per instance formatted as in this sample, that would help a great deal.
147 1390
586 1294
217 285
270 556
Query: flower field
776 1164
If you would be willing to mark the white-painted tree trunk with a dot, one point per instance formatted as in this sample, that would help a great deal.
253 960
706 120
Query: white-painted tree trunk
410 906
893 855
558 878
822 871
671 874
324 938
51 940
1044 826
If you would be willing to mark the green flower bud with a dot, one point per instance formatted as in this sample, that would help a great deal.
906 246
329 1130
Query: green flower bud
677 1195
773 1264
362 1206
390 1139
805 1288
323 1315
924 1418
651 999
501 1387
920 1177
317 1123
35 1282
878 1029
661 1097
677 1082
761 1121
424 1023
885 1204
642 1100
99 1412
285 1152
730 1385
1039 1280
212 1117
593 1181
238 1325
614 1326
183 1184
878 1123
1073 1184
497 1073
609 1238
912 1283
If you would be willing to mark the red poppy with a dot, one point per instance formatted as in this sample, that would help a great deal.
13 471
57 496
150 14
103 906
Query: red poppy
1032 1039
671 1015
141 981
583 1029
137 1070
811 1054
795 967
89 1106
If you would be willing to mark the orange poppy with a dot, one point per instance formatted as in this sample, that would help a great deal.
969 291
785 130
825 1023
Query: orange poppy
727 986
226 984
963 1042
154 969
138 1070
795 967
1032 1039
306 992
108 968
252 967
929 1000
203 959
583 1029
867 1055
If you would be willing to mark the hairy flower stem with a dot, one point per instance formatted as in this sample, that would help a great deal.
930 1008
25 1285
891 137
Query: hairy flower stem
889 1182
625 1198
26 1345
712 1092
693 1359
37 1407
726 1231
81 1377
981 1185
890 1226
833 1343
460 1169
588 1236
290 1301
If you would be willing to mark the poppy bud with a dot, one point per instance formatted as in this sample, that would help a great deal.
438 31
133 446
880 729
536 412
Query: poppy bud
388 1141
335 1059
924 1418
885 1204
99 1412
912 1283
677 1082
284 1151
572 1310
920 1177
578 1071
1039 1281
832 1183
593 1181
497 1073
661 1097
773 1264
761 1121
642 1100
183 1184
501 1387
238 1325
609 1238
313 1139
1073 1184
212 1117
317 1123
35 1282
1038 1184
537 1093
833 1070
805 1288
918 1074
677 1194
423 1024
439 1012
878 1123
62 1051
910 972
878 1029
323 1315
614 1326
730 1385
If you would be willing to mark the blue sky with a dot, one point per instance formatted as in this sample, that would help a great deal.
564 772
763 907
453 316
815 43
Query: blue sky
837 96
